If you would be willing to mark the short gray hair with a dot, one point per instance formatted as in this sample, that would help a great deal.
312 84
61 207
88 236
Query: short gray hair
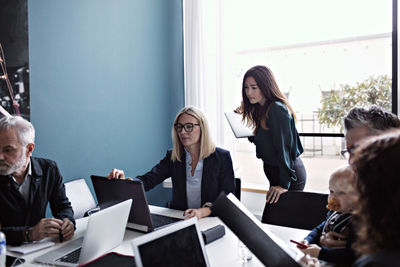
25 130
375 119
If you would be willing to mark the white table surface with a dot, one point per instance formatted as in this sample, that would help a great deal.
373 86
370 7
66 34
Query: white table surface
222 252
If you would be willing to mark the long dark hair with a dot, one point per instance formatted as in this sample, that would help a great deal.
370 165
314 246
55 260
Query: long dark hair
256 114
378 184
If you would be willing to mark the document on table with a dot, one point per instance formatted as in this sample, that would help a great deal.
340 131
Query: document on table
30 247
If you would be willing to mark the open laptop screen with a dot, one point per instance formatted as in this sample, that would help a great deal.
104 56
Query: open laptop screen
176 245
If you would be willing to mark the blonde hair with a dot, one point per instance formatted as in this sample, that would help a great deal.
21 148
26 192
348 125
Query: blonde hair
207 146
345 172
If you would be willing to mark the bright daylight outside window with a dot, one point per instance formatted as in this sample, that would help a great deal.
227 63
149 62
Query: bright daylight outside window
327 57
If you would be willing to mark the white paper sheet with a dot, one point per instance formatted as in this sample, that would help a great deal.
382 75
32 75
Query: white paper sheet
30 247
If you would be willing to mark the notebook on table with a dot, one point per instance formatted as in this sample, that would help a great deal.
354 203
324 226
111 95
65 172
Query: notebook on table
117 190
179 244
267 247
105 231
239 129
26 248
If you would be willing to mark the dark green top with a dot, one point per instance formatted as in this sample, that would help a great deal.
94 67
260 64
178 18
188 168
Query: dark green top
280 144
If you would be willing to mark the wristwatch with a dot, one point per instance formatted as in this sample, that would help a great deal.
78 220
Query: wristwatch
207 205
28 235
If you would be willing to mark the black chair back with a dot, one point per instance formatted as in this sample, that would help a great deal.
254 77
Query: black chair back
297 209
238 188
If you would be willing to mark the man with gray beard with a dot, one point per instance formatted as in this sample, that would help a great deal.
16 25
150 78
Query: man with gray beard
27 185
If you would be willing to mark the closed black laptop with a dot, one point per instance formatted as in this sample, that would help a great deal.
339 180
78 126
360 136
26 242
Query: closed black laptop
109 192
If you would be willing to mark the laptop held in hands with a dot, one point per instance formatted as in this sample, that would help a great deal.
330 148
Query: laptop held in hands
240 130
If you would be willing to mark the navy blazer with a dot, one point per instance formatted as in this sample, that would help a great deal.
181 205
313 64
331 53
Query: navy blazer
217 177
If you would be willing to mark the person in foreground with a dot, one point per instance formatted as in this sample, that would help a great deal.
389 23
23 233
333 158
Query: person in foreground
377 211
361 123
27 185
340 204
267 110
199 170
375 162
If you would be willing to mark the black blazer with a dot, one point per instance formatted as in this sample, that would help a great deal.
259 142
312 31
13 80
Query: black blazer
46 187
217 177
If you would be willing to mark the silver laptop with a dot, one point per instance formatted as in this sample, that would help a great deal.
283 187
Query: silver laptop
179 244
240 130
105 231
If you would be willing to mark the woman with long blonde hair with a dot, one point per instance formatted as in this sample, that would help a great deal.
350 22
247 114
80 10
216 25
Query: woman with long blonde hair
199 170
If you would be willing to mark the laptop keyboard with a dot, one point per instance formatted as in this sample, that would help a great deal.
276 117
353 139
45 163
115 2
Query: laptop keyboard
72 257
161 220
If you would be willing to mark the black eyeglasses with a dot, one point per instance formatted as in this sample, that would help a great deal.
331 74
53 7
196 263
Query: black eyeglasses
348 151
188 127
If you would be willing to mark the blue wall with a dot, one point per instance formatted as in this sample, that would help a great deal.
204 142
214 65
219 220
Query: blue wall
106 82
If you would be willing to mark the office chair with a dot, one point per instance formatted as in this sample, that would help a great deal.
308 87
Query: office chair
297 209
81 198
238 188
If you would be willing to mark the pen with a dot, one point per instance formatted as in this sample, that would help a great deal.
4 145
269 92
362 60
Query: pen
60 237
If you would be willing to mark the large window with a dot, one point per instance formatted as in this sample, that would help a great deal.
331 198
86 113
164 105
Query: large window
327 56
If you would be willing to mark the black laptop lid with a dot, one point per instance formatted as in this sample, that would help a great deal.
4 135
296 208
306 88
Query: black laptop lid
109 192
247 229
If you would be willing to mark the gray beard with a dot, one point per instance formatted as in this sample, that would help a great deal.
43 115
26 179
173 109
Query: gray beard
7 169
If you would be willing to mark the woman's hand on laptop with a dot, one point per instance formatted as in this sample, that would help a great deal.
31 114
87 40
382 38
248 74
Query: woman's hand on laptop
199 213
116 174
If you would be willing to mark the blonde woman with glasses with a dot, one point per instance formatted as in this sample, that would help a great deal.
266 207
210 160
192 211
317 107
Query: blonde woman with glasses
199 170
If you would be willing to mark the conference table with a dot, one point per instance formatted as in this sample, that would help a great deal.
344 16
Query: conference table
221 252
